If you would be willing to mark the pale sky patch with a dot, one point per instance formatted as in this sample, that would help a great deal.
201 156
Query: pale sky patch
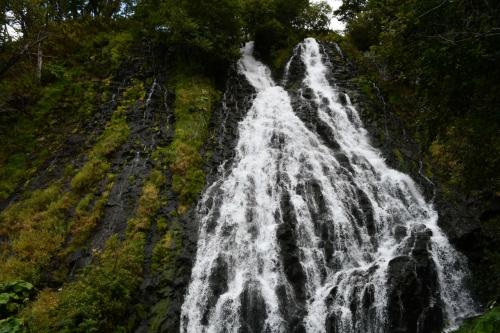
13 28
335 24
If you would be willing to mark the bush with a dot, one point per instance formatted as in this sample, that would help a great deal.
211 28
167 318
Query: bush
487 323
14 295
12 325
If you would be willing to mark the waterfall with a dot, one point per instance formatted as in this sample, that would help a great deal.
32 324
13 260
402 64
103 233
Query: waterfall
313 232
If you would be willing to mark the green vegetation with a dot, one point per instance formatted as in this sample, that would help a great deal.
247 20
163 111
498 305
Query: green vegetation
37 226
11 325
487 323
13 296
115 134
36 230
99 298
434 61
36 117
194 100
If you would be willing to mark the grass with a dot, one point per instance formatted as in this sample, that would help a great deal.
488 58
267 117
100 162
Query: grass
36 229
194 100
99 296
34 135
487 323
148 203
37 226
114 136
88 213
93 171
103 292
52 223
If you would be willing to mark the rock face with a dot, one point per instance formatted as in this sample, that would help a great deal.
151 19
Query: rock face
164 295
413 298
236 101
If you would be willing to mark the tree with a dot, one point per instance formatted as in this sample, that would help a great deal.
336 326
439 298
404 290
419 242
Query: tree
350 9
316 17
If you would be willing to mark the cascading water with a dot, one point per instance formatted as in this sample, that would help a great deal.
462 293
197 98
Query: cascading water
307 234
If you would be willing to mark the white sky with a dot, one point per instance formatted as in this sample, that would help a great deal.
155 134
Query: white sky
13 29
335 24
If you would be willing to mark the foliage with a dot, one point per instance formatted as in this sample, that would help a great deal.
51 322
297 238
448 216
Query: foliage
32 137
148 203
350 10
36 228
444 52
103 292
39 313
13 295
101 295
194 100
11 325
274 24
88 213
114 135
211 32
315 18
198 29
487 323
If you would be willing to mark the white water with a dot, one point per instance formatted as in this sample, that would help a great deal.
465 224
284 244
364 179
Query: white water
240 215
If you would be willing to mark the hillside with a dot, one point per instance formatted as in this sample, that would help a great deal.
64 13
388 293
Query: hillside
121 123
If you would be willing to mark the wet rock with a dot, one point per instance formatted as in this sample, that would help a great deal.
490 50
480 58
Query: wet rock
217 286
236 102
368 296
413 291
292 305
399 232
253 310
289 250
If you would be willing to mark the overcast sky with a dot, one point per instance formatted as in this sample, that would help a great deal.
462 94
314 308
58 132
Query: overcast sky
335 24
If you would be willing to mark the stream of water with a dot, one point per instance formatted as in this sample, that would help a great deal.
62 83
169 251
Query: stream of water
299 236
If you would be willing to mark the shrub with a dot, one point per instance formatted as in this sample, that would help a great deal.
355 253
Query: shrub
487 323
13 295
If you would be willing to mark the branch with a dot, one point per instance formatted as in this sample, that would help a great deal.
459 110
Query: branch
468 36
17 56
433 9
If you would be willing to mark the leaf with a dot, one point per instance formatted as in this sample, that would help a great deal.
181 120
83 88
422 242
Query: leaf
5 298
12 325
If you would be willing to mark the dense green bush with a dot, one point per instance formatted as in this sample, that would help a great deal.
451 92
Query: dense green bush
14 295
12 325
445 54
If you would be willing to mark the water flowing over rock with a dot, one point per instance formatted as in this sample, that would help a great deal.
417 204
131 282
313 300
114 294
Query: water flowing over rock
309 230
